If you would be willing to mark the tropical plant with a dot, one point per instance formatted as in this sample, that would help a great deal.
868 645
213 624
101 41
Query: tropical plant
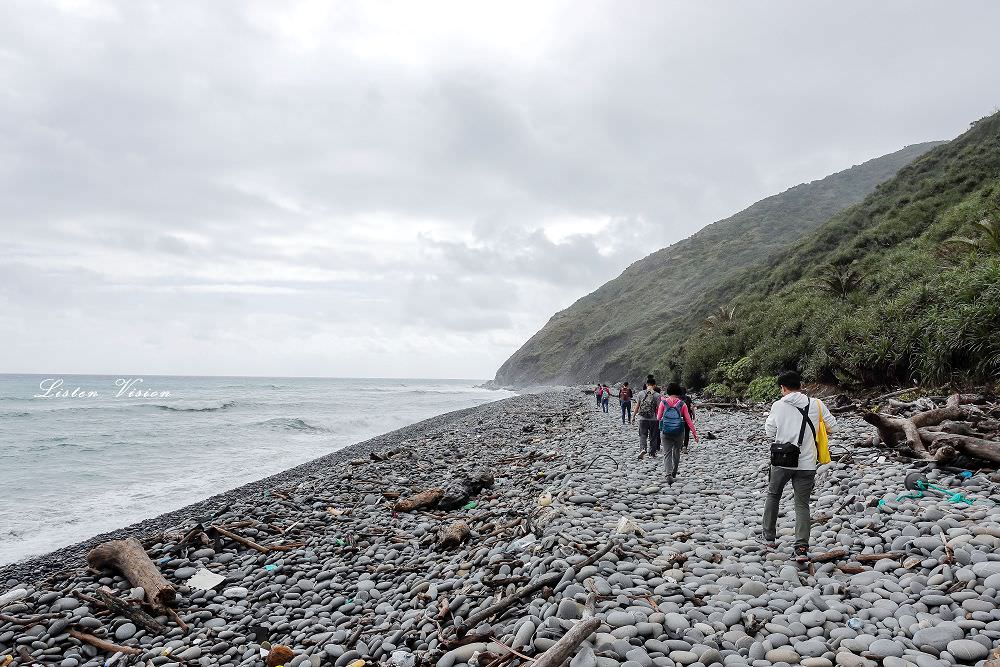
988 241
720 316
840 280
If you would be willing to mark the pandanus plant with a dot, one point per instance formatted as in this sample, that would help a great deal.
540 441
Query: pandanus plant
840 280
722 315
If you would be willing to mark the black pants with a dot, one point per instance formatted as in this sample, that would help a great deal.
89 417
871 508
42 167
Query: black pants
649 431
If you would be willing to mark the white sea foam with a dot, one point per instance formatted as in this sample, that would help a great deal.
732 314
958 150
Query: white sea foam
75 467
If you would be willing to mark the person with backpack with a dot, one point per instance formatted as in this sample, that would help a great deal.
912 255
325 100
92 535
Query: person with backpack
598 393
791 426
605 396
674 418
625 401
646 402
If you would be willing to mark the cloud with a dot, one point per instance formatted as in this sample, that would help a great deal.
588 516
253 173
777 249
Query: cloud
381 188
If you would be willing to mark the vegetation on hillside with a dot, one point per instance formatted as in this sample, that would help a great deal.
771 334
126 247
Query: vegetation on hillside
902 287
623 329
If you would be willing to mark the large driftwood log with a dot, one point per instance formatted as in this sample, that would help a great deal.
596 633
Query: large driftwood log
978 448
890 428
423 499
130 558
563 649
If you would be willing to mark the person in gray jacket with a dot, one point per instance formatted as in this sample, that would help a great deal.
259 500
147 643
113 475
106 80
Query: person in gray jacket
792 417
647 402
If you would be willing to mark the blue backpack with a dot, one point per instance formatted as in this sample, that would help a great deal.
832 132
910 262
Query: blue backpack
672 420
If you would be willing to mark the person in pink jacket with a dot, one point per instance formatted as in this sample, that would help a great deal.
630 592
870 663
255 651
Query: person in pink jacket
674 415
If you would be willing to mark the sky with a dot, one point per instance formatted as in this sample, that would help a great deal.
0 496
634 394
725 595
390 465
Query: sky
411 189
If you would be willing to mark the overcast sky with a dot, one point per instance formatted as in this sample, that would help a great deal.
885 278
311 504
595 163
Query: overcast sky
411 189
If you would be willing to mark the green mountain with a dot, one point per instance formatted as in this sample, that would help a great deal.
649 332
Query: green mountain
625 328
903 286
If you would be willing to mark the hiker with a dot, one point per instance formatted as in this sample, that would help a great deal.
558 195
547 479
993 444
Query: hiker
605 397
598 393
791 426
646 403
625 401
675 419
687 431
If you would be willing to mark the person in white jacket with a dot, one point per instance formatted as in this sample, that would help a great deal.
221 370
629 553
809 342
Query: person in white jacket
784 424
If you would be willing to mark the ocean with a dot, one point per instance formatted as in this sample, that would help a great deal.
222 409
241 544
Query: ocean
84 454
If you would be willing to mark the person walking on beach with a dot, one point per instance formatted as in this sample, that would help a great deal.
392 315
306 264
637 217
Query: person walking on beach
625 401
598 393
675 419
605 397
791 425
646 403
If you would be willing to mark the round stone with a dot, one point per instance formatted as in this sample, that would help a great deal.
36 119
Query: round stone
782 654
967 650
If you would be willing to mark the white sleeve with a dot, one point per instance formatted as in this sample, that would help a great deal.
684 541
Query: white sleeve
828 418
771 424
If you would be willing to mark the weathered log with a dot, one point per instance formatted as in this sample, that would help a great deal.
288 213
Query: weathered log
128 557
980 448
103 644
453 535
106 597
563 649
427 498
835 554
889 428
871 558
239 539
538 584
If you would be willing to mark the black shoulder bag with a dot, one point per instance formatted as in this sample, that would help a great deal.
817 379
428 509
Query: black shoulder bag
786 454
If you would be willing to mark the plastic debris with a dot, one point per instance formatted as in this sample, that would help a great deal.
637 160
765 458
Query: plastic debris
471 505
402 659
206 580
855 623
545 499
270 567
628 526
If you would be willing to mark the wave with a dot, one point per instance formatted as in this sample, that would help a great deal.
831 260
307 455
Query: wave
209 408
291 424
11 415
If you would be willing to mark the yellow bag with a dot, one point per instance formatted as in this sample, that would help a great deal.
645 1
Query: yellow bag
822 439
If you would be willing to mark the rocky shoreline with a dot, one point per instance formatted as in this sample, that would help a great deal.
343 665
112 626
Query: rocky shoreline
344 577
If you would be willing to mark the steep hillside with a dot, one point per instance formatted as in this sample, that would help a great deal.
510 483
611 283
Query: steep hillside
623 329
904 286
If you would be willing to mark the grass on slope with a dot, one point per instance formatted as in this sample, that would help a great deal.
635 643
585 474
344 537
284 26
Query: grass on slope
623 328
911 312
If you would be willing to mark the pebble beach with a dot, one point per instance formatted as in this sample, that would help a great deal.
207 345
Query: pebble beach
344 577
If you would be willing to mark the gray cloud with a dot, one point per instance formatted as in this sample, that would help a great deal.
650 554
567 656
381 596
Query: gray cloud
395 189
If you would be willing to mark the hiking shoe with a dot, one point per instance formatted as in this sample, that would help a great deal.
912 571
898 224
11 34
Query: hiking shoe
801 553
770 545
642 455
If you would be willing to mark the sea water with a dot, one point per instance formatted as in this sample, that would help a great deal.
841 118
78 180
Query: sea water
84 454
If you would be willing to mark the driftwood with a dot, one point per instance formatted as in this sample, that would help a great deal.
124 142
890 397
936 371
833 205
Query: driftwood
248 543
563 649
871 558
427 498
130 558
538 584
835 554
106 598
102 644
453 535
966 436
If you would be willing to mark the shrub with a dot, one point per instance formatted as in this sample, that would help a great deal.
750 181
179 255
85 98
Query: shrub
719 390
763 389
